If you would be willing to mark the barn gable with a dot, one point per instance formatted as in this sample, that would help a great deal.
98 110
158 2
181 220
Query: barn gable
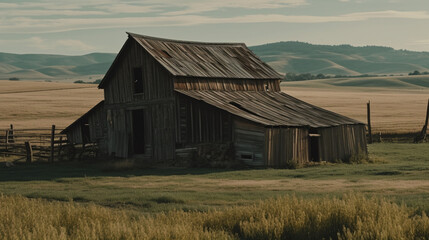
202 60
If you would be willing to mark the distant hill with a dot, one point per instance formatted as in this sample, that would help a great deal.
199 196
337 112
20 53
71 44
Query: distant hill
46 66
299 57
296 57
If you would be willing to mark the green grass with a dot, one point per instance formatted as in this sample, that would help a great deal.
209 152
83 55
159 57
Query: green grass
398 171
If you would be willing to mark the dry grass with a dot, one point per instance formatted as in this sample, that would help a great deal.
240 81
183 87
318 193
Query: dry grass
392 110
41 104
348 217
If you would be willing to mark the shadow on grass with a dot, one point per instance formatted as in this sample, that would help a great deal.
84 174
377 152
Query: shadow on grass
45 171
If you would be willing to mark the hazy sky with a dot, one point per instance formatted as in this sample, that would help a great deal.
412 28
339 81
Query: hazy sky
84 26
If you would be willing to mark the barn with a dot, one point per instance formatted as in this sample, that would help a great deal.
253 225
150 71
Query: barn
163 96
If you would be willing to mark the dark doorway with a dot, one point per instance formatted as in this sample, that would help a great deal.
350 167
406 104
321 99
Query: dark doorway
314 147
85 132
138 131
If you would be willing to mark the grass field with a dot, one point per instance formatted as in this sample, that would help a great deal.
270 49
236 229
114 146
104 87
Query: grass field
76 199
29 104
397 105
385 199
41 104
400 171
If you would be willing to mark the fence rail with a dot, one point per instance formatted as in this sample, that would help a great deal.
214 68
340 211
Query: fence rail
35 144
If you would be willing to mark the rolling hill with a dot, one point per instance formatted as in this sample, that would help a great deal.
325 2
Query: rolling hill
299 57
296 57
44 66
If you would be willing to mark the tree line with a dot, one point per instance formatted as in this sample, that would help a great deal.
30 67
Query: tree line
308 76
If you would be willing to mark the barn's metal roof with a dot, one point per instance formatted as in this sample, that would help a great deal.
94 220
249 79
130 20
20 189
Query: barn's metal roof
208 60
270 108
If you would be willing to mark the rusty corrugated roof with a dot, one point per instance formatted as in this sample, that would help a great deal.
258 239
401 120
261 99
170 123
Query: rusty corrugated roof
208 60
270 108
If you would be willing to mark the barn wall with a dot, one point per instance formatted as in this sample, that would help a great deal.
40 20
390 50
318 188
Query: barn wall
286 147
74 135
226 84
342 142
97 121
249 142
199 122
120 89
157 100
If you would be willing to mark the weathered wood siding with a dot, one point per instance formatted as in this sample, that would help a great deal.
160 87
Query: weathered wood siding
120 88
342 142
249 142
286 147
74 135
199 122
157 100
226 84
97 121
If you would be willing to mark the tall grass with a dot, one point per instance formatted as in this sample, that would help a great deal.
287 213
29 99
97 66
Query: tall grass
349 217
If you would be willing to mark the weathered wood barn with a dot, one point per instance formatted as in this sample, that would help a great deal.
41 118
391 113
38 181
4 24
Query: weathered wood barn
164 95
89 128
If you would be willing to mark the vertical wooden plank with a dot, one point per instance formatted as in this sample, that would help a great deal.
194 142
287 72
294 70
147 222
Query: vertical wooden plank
7 139
368 109
11 134
29 151
51 159
60 148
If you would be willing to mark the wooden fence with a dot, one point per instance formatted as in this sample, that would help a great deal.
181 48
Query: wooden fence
45 145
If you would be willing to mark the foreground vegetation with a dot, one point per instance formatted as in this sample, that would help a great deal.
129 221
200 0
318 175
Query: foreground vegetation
348 217
399 172
387 200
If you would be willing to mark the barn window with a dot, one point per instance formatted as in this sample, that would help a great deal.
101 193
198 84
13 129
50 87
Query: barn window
138 80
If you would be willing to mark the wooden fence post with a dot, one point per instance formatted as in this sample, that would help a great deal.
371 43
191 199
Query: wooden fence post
368 111
7 140
51 159
425 127
11 134
29 151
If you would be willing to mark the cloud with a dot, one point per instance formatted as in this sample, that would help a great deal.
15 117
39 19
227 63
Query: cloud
41 44
37 25
194 7
99 7
421 42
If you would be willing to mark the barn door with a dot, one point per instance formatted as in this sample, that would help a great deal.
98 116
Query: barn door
314 146
138 131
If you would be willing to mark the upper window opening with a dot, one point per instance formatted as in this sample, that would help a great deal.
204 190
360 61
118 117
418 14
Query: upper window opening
138 80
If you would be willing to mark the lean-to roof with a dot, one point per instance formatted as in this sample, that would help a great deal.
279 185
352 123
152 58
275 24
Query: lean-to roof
270 108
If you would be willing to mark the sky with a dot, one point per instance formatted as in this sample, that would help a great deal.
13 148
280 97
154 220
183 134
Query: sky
77 27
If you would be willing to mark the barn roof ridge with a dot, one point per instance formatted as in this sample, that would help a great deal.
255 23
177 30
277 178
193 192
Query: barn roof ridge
201 59
184 41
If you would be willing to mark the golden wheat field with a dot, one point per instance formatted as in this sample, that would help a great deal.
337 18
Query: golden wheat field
41 104
392 110
29 104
